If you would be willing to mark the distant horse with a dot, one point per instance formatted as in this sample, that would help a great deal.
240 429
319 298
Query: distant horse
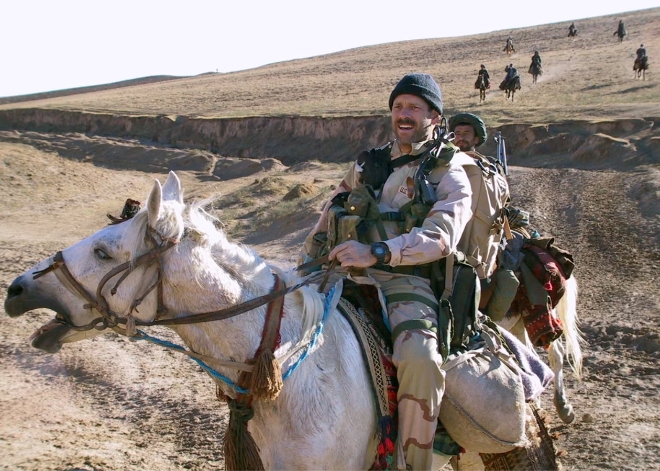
509 49
535 70
511 87
620 32
572 33
568 344
171 260
640 66
480 85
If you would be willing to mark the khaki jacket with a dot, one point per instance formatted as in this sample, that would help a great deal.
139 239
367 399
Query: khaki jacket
441 230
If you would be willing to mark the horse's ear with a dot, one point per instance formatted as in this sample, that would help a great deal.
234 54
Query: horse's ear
153 206
172 188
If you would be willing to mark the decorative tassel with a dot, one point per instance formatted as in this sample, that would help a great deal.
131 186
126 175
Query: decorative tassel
266 377
130 326
241 452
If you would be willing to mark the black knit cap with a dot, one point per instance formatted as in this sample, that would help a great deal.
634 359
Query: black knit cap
421 85
471 120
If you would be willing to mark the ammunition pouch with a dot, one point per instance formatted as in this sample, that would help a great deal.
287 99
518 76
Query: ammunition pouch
458 303
351 215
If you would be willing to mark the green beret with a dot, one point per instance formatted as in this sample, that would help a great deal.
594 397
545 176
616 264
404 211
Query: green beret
473 120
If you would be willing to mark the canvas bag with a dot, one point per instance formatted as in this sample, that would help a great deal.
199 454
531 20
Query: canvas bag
483 407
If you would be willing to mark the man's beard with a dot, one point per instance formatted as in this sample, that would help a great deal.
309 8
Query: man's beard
464 146
420 132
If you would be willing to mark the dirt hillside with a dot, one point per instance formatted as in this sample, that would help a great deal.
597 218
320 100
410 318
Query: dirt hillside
588 77
112 404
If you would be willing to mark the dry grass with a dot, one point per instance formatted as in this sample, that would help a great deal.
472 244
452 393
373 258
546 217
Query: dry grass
589 77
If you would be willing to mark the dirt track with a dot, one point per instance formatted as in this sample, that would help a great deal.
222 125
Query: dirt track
111 404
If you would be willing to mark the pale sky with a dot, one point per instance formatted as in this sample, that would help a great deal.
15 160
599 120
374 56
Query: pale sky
50 45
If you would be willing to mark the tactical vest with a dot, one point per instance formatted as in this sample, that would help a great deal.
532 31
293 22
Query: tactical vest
490 194
352 215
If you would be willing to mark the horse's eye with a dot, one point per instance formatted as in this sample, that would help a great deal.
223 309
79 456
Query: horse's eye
101 254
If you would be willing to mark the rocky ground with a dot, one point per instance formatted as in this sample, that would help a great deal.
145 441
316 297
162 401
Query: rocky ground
111 404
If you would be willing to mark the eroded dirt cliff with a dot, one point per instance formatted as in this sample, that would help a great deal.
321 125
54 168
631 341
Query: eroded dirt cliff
621 144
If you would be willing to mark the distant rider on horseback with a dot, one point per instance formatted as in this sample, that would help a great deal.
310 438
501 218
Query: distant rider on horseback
572 31
486 77
641 62
535 67
511 74
641 52
508 48
620 31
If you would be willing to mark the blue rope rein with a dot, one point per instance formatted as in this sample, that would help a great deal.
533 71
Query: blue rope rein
165 343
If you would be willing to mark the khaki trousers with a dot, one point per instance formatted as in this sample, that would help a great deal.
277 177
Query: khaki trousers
418 363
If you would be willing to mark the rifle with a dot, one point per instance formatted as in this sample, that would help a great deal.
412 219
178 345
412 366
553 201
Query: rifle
501 152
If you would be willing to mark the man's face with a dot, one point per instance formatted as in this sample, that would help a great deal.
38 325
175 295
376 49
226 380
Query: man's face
413 120
466 139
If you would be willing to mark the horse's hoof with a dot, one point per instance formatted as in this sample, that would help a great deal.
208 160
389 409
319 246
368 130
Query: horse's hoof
565 411
567 415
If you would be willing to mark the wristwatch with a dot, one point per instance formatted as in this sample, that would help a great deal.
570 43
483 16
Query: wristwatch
381 251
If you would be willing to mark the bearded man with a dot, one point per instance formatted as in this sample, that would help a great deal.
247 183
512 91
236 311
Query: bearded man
399 258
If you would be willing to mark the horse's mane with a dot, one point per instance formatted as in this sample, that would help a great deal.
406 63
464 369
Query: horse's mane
193 222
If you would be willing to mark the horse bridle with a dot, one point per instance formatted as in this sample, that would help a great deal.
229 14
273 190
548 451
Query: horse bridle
110 319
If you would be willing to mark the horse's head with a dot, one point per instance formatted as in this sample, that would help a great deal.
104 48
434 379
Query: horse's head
105 279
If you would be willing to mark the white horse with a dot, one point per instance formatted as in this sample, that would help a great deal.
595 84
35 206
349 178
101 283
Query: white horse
324 416
568 345
172 263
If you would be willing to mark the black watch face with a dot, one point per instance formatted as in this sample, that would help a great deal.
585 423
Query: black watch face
380 251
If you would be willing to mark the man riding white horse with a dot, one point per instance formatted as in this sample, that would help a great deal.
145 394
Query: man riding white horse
403 250
401 261
416 104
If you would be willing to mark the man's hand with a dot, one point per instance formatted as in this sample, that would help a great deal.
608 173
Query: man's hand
353 254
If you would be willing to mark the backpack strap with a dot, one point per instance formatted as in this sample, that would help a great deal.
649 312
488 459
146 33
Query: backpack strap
405 159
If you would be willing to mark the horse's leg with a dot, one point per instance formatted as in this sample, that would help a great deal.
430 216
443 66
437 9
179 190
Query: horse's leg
556 359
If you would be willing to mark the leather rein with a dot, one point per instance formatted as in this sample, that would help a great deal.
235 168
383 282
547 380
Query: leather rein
111 319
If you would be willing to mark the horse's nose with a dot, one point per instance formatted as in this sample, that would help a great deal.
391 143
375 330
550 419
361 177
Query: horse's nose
14 292
15 289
